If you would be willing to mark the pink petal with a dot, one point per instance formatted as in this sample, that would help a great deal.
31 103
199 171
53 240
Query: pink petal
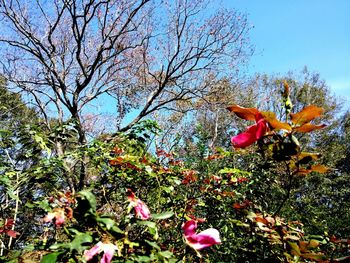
202 240
251 135
246 138
261 129
109 250
189 228
142 210
210 233
258 117
89 254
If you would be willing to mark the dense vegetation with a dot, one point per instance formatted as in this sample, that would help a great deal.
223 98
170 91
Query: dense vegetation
214 167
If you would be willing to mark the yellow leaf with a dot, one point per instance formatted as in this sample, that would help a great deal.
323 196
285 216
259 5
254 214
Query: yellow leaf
305 157
244 113
313 243
306 115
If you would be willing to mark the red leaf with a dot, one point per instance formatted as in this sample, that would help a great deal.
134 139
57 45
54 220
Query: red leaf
9 222
243 205
12 233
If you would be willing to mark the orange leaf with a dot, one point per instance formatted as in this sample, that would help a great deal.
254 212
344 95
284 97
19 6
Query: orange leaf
270 117
244 113
238 206
295 248
303 246
319 168
243 205
286 89
303 171
306 245
313 243
117 161
308 127
261 220
306 115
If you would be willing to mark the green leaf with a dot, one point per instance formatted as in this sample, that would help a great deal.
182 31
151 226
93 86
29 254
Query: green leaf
152 228
233 171
153 244
168 189
117 230
164 215
44 205
143 259
51 258
108 222
90 198
319 238
166 254
239 223
79 241
58 246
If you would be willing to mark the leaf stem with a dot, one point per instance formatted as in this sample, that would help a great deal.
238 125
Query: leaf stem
289 188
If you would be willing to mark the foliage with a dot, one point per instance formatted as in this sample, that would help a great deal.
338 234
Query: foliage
142 203
276 192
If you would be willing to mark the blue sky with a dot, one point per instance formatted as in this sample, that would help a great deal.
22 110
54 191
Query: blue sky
291 34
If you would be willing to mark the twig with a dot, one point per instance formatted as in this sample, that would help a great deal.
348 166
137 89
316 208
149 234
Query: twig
17 199
289 187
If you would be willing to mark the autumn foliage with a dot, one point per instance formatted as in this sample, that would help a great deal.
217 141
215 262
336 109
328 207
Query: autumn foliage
144 205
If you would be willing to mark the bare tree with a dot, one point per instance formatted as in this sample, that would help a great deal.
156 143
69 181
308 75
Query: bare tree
145 55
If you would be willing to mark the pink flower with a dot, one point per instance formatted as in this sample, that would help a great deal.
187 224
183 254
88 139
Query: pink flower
252 134
108 252
202 240
140 207
57 215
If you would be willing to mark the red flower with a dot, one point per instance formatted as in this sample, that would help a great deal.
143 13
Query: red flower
140 207
202 240
108 252
252 134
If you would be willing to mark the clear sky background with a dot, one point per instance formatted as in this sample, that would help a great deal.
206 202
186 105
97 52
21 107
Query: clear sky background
291 34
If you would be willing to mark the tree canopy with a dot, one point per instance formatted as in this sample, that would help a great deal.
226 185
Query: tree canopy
212 166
